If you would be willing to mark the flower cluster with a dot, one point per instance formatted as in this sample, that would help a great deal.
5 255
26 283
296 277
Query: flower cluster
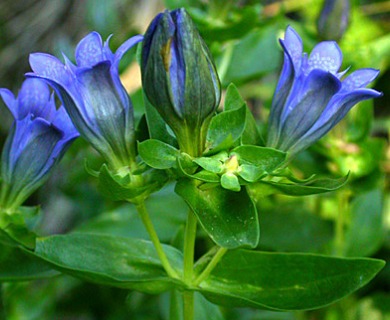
179 80
311 97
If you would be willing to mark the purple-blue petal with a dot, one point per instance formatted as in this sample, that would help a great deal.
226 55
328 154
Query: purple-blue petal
292 44
63 122
318 89
126 46
359 79
326 56
10 101
282 92
49 67
98 89
36 158
89 51
33 98
336 110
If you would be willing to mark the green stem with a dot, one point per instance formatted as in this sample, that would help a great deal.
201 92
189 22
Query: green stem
141 208
340 222
188 298
210 267
189 249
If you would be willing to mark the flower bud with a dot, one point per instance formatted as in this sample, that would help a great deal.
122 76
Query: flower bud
333 19
178 73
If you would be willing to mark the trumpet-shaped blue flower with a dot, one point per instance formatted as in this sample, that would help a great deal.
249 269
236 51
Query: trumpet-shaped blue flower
39 137
93 95
311 97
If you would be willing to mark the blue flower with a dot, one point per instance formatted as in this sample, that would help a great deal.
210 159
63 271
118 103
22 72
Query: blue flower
39 137
179 76
93 96
310 98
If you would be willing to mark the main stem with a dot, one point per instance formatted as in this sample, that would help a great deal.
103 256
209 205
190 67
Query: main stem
340 222
141 208
189 249
191 140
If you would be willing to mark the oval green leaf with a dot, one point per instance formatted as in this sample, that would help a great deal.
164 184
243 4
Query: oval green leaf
115 261
17 264
230 218
285 281
158 154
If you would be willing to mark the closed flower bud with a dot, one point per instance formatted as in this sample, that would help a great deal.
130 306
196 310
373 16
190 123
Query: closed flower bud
39 137
178 73
333 19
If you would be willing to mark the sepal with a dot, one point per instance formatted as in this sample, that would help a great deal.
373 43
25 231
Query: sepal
284 185
17 228
128 186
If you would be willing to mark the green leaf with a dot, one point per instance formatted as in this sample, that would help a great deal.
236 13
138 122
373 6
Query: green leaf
18 265
17 227
259 43
119 188
366 232
233 99
156 124
114 261
293 228
115 187
230 181
225 130
158 154
266 160
225 22
251 135
206 176
203 175
283 281
262 188
230 218
210 164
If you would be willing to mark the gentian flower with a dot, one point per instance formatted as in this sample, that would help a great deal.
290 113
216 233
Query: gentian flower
93 96
39 137
311 97
179 75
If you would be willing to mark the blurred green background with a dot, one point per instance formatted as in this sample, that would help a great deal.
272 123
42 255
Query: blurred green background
242 36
